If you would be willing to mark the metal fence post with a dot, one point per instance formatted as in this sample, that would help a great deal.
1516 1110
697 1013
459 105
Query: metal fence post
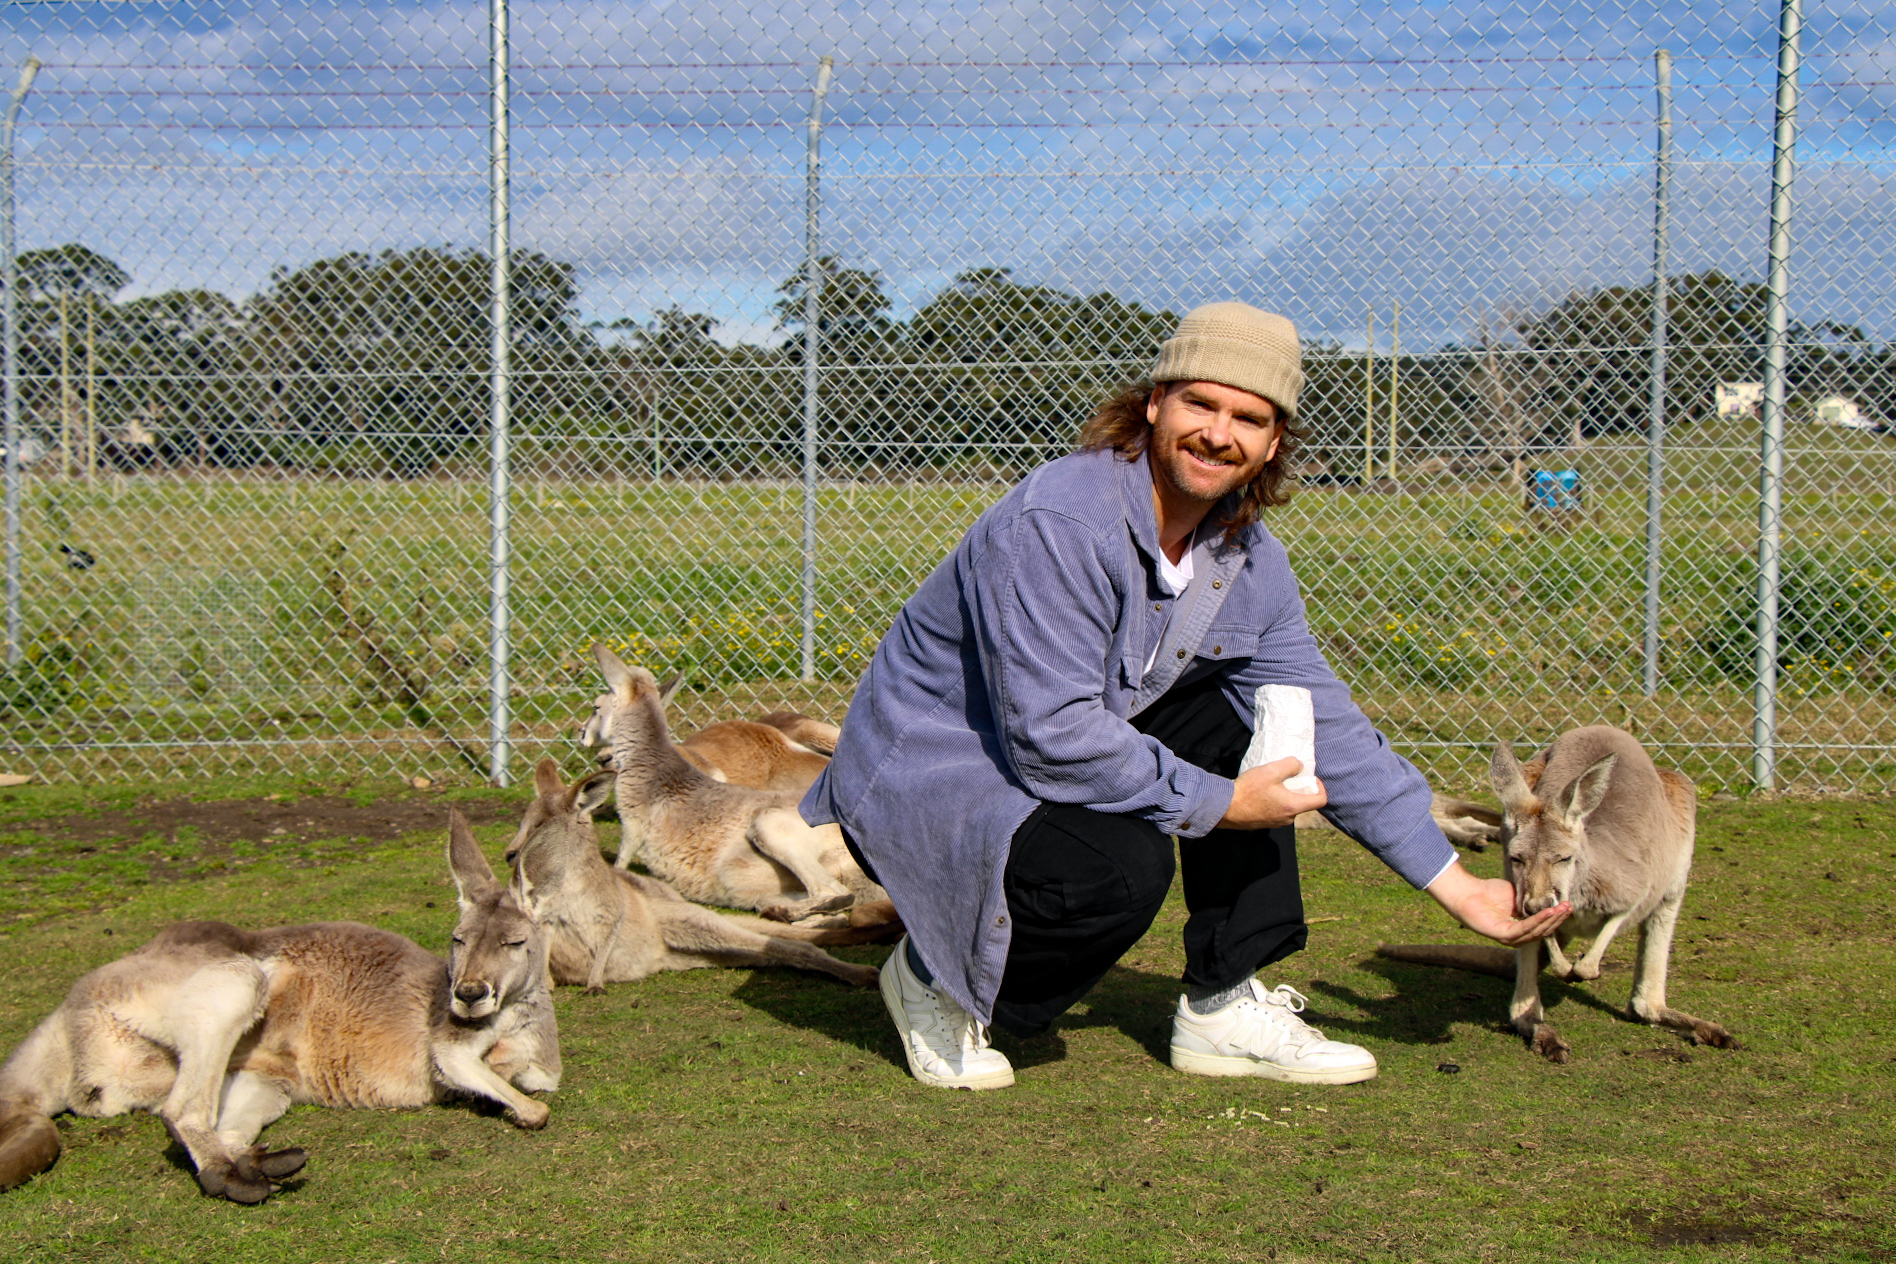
1771 444
499 560
1395 374
10 315
1369 402
1656 418
812 320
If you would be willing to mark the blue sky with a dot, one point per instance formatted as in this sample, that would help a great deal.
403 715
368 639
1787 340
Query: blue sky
1462 161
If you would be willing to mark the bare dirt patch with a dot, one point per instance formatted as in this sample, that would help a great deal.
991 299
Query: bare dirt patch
52 865
221 822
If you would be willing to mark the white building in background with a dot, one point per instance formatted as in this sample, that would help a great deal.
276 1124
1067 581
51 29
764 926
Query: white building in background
1841 410
1739 399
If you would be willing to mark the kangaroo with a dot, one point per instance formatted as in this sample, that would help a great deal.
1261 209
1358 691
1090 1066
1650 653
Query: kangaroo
1591 820
218 1030
781 751
604 926
818 735
716 843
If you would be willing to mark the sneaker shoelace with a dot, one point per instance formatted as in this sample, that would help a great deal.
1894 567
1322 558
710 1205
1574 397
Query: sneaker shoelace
1280 1007
958 1025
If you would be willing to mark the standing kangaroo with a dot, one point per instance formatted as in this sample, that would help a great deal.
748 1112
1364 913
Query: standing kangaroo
1591 821
219 1030
606 926
716 843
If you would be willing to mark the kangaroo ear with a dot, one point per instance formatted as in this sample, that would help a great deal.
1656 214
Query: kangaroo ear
597 727
472 875
521 888
670 687
1509 785
611 666
547 779
1577 802
591 794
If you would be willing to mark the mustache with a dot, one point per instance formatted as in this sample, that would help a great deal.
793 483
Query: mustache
1198 448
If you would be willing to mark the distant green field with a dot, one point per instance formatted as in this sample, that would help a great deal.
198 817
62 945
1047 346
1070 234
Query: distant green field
206 637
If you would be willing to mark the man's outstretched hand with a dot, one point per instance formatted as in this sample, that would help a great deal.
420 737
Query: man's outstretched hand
1486 906
1261 799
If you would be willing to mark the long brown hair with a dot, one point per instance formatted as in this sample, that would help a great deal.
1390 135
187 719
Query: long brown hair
1120 423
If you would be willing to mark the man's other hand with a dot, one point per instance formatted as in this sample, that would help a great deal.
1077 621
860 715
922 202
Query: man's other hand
1260 800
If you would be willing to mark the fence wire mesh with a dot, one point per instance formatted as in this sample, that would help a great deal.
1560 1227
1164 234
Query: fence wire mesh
254 342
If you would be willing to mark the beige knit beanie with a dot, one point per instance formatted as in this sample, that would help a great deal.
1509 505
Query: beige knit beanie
1237 345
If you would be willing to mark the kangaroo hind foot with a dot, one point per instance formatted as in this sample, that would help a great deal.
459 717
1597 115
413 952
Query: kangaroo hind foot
248 1175
1548 1044
1699 1030
29 1144
797 910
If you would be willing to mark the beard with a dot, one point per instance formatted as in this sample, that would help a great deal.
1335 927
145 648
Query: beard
1182 464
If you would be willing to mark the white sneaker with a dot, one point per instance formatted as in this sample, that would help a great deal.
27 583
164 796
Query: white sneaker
1260 1034
946 1047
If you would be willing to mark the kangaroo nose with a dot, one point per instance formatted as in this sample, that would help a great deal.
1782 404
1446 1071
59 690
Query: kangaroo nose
470 993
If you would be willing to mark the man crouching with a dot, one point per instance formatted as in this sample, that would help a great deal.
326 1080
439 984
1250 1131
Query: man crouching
1073 687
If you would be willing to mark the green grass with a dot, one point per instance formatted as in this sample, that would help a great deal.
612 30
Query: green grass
718 1115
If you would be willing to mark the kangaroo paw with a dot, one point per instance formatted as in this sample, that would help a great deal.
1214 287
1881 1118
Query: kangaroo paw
282 1164
1550 1046
239 1180
535 1119
778 912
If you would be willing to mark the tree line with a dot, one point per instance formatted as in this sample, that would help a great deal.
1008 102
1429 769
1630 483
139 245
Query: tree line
378 364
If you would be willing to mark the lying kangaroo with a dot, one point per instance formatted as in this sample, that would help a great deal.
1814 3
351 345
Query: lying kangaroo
606 926
218 1030
716 843
781 751
1591 820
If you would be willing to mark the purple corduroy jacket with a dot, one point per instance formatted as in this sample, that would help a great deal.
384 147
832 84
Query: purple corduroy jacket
1009 679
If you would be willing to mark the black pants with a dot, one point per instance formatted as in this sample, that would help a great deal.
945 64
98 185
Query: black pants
1083 887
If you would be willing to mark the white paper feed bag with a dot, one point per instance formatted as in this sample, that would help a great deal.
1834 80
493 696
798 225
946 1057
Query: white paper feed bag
1285 725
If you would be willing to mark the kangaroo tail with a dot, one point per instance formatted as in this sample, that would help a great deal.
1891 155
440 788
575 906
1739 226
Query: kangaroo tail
29 1144
1471 957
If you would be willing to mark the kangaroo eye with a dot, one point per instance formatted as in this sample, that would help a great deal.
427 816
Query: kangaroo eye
457 941
515 943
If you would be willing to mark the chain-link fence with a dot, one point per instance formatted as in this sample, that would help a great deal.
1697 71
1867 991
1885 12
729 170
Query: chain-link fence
254 334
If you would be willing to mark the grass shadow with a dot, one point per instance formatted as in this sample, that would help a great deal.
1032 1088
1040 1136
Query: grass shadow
847 1015
1137 1002
1430 1001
